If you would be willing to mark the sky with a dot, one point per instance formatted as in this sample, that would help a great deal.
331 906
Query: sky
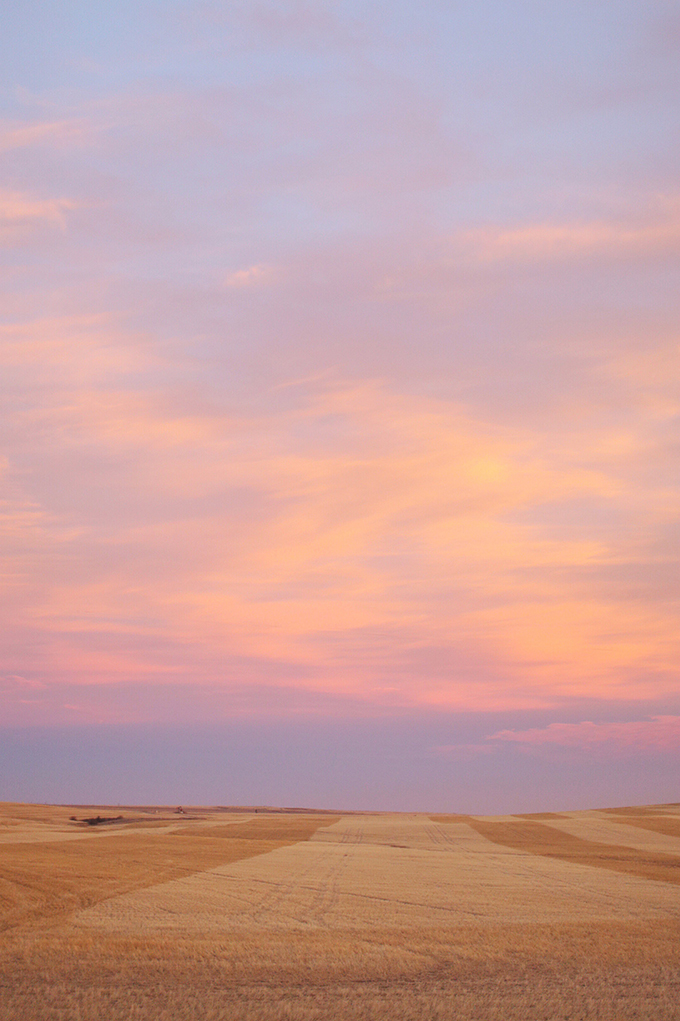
340 390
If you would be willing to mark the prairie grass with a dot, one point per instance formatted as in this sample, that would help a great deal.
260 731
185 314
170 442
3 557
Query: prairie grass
316 918
542 973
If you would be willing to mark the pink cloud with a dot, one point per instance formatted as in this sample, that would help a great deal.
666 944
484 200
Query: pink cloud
366 538
251 276
69 351
655 232
20 135
308 23
659 733
21 213
325 559
16 683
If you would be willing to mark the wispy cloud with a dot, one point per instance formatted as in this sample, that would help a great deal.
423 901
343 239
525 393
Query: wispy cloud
19 206
21 135
251 276
370 539
294 22
21 213
655 233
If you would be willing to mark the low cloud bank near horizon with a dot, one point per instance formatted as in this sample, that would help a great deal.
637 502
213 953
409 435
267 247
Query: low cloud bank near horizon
659 734
383 764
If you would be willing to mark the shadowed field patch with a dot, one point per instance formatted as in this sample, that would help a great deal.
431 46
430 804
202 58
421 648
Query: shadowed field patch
38 880
288 829
536 838
672 808
540 815
669 825
452 818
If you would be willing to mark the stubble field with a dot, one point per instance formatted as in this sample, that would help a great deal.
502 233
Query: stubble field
304 916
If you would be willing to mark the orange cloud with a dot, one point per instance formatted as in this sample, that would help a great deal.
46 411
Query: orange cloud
361 541
358 512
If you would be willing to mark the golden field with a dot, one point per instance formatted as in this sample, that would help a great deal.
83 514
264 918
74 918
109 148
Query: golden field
308 916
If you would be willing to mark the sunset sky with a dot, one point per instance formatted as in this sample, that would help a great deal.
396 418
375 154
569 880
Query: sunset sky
340 383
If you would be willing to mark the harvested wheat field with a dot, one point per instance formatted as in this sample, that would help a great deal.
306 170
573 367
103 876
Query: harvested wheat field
273 915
